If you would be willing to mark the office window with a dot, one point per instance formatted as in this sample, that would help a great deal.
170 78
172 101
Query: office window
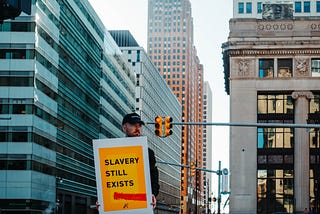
248 7
315 67
284 67
259 7
266 68
306 6
271 104
297 7
240 7
318 6
275 138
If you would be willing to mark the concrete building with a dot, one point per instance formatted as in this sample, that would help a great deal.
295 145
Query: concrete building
172 51
207 145
271 62
154 97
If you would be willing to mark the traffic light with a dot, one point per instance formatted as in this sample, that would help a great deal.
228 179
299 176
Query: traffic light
167 126
10 9
158 126
193 168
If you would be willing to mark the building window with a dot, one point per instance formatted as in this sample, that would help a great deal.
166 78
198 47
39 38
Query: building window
138 55
306 6
248 7
266 68
315 67
275 190
318 6
259 7
271 104
275 153
297 7
284 67
276 138
314 150
240 7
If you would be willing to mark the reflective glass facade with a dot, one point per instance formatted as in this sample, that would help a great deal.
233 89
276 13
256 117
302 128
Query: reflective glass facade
314 151
63 82
275 161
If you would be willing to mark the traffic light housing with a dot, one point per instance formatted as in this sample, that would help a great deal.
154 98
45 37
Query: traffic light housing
158 126
193 169
167 126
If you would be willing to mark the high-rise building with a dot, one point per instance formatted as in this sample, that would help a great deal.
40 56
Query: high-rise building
155 98
271 62
207 145
171 49
62 83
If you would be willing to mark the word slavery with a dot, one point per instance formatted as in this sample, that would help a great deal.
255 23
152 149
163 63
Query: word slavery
118 173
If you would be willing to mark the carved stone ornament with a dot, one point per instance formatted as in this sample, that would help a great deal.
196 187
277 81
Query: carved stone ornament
300 94
302 67
244 68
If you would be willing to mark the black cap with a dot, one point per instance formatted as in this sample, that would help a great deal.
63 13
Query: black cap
132 118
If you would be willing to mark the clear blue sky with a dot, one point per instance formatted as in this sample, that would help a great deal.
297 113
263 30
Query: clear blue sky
211 29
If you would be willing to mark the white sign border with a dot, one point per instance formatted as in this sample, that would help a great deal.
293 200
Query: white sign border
123 142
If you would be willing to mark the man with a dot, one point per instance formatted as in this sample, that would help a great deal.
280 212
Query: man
132 127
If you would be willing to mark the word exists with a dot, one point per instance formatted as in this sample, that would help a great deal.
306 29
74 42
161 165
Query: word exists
117 172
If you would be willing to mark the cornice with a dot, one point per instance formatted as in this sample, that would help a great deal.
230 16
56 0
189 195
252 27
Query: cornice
286 52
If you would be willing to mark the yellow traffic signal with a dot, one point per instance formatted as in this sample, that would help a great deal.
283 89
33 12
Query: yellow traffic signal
158 126
193 169
167 126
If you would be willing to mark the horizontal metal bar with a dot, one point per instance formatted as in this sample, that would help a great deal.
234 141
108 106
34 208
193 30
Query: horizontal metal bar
285 125
187 166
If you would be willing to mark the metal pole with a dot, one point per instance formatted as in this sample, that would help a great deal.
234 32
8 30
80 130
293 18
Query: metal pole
244 124
219 188
196 191
208 196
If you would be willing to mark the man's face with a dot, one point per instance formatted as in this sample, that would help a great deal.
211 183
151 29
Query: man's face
132 130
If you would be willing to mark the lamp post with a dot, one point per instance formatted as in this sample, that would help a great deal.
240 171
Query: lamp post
219 187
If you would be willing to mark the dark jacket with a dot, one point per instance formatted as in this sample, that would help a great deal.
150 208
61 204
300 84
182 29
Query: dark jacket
154 173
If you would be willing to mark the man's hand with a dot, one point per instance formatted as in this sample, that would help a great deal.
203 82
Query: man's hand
154 201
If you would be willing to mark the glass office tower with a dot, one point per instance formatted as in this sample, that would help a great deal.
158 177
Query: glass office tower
63 82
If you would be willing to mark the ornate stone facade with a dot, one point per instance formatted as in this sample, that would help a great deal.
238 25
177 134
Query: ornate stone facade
289 46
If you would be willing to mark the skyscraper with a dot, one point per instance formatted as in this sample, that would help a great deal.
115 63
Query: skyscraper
155 98
171 49
207 145
271 62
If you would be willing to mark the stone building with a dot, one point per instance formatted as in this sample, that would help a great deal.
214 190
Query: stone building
272 66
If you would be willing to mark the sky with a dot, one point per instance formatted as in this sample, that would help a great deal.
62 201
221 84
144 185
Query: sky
211 29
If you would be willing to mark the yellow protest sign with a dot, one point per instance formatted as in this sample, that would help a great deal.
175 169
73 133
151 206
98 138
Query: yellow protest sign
122 173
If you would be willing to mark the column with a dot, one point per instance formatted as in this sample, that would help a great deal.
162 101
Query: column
301 151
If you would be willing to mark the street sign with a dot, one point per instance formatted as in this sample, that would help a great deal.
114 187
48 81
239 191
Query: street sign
225 193
123 176
225 171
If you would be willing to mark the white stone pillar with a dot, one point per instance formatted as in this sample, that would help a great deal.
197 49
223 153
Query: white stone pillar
301 151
